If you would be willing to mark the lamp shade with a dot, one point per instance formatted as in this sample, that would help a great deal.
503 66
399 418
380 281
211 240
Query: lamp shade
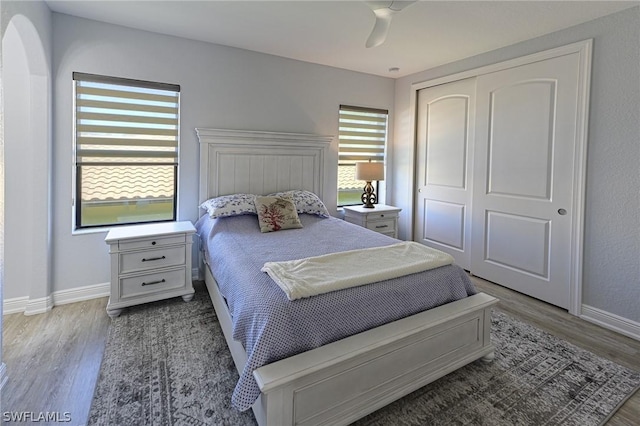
369 171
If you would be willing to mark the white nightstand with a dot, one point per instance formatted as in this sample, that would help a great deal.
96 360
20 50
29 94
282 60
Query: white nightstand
148 263
382 218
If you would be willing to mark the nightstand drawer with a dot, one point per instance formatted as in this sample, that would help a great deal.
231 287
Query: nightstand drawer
151 259
151 242
382 225
381 215
152 283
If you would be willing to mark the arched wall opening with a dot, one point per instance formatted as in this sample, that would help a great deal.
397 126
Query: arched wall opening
26 255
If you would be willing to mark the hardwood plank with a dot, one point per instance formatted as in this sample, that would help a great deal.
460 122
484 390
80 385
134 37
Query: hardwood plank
53 359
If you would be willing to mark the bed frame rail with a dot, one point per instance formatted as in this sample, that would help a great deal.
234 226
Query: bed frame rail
348 379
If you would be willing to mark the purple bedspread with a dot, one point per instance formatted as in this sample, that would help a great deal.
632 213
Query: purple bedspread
271 327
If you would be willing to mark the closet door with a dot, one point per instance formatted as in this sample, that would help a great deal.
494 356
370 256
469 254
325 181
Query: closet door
444 151
523 177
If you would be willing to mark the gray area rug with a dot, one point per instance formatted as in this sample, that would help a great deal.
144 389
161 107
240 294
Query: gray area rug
167 363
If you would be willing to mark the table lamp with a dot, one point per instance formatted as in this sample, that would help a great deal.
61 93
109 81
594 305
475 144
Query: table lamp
369 172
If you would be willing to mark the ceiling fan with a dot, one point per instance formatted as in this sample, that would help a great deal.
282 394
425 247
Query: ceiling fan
384 11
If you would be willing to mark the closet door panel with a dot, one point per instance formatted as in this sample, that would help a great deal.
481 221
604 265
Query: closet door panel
521 139
448 228
502 229
523 173
444 148
447 142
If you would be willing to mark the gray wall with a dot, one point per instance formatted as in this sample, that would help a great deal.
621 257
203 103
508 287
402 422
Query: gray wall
221 87
611 277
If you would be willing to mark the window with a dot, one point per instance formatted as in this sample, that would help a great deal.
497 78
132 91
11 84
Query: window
362 137
126 151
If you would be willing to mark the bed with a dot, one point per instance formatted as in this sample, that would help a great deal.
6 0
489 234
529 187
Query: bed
345 378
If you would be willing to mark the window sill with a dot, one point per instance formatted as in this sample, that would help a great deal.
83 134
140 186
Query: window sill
102 229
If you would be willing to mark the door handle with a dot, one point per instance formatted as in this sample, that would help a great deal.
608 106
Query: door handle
562 212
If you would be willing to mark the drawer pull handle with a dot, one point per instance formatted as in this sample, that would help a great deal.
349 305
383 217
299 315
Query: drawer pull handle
382 226
151 259
154 282
153 243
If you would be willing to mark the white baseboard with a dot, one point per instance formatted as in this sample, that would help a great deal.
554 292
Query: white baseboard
14 305
79 294
611 321
62 297
39 305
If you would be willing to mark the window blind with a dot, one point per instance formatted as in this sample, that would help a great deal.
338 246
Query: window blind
126 150
362 134
125 121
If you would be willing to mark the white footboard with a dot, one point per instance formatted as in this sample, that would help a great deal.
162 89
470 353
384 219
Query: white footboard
341 382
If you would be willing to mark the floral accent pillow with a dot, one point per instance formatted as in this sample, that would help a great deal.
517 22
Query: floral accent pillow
230 205
276 213
306 202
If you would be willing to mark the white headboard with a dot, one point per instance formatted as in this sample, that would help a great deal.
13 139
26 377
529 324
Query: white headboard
242 161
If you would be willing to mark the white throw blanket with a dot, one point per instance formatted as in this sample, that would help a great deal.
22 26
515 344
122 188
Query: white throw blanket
335 271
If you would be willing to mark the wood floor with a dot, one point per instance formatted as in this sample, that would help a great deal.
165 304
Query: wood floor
53 359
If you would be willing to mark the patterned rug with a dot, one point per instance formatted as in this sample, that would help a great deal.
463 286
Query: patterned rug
167 363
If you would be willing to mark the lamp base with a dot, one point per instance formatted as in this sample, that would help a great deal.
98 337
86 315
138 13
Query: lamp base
368 197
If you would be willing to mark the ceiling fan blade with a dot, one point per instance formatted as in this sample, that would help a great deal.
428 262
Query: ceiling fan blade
380 29
398 5
384 11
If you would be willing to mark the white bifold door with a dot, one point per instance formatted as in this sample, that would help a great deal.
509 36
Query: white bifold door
495 174
445 146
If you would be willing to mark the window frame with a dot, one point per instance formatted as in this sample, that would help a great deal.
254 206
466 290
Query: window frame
360 109
77 227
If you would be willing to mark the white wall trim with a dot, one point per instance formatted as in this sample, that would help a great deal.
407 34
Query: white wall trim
62 297
577 47
14 305
611 321
79 294
39 305
584 49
